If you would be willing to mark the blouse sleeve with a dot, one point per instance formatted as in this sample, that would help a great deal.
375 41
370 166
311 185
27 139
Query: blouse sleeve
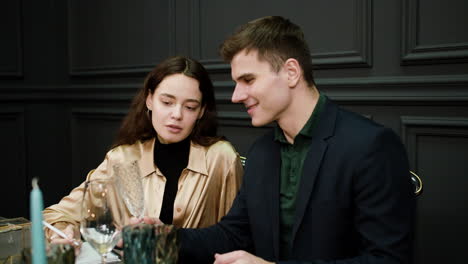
68 210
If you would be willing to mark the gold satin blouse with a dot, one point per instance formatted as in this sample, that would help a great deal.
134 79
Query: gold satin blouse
206 188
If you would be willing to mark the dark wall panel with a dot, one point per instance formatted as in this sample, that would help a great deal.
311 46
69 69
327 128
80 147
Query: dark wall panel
13 163
345 40
11 49
438 149
48 150
118 37
93 131
434 31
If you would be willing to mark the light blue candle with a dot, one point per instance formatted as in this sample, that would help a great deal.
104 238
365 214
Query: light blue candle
38 253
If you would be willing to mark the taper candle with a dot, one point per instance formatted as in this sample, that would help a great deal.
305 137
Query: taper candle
38 253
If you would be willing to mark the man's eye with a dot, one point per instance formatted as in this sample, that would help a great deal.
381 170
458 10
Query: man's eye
248 80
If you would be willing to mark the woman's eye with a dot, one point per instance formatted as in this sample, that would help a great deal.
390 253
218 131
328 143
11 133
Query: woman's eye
166 102
191 108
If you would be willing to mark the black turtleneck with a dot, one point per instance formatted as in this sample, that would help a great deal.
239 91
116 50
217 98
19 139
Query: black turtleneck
171 159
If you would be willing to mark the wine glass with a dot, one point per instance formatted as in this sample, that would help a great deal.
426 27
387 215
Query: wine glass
101 215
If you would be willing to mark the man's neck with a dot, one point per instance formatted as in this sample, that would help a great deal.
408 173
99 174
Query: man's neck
300 110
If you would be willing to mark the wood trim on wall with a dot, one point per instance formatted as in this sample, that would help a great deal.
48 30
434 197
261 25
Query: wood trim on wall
413 52
409 137
439 89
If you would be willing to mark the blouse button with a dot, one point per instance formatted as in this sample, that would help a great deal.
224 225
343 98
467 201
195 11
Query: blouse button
178 209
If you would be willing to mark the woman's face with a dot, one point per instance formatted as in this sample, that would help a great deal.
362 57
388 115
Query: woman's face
175 107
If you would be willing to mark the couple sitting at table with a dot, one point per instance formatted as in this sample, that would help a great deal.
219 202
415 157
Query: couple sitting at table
324 186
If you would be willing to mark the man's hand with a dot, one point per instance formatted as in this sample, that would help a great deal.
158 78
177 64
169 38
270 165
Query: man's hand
239 257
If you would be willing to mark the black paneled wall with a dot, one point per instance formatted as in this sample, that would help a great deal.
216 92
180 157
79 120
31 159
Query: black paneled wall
68 70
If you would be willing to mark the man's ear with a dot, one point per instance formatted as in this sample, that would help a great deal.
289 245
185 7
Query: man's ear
293 71
149 101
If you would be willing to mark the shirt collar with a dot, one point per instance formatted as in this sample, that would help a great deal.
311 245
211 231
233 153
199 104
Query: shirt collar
196 163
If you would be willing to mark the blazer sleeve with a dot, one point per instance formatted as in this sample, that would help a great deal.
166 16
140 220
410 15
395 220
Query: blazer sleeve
231 233
384 204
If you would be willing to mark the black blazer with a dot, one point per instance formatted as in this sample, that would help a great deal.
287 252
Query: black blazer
355 201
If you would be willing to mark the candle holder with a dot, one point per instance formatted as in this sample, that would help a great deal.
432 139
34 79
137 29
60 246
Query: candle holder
139 243
167 244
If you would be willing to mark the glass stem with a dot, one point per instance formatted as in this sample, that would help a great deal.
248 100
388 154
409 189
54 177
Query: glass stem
103 258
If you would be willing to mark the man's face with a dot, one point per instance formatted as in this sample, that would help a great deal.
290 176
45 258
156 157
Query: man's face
264 92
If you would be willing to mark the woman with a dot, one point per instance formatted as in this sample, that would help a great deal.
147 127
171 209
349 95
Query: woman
190 176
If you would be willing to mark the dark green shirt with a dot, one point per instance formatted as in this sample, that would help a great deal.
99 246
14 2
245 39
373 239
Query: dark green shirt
292 163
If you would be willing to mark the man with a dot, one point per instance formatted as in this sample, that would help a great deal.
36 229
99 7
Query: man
325 186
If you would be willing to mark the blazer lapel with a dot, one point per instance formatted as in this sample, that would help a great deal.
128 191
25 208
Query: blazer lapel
271 179
275 178
313 162
311 167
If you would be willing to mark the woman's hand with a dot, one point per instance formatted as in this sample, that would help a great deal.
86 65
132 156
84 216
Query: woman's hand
69 231
146 220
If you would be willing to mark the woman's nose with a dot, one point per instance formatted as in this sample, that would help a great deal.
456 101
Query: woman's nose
177 112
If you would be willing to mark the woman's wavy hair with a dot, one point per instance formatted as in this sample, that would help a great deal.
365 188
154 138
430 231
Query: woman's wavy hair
137 124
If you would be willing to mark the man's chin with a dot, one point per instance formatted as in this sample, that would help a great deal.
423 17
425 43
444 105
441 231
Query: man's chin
259 123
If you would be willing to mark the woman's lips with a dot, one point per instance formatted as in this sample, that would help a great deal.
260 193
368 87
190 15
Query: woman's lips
174 129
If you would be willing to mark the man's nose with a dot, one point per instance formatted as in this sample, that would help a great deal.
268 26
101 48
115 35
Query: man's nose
239 94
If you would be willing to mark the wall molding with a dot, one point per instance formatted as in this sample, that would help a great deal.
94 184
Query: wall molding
238 119
85 92
441 89
98 113
234 118
415 126
121 69
413 52
359 56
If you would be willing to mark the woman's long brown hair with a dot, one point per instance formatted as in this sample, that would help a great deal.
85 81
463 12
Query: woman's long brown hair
137 124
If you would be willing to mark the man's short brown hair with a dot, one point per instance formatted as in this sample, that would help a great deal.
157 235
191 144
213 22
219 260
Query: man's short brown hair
276 39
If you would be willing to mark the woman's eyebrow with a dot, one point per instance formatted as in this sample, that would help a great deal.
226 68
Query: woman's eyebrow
187 100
